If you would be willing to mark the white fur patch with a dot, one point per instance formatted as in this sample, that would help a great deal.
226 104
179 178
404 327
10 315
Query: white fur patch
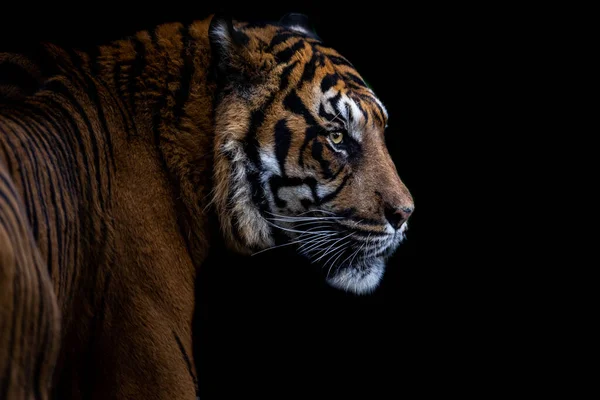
356 116
360 279
252 226
293 196
270 163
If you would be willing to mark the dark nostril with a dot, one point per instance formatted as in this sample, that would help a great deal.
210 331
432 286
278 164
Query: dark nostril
397 216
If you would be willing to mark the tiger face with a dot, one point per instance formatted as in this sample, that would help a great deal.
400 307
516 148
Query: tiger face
300 154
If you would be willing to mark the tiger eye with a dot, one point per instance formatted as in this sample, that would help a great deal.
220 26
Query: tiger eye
336 137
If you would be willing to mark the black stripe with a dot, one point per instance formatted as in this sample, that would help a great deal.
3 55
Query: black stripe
338 172
285 76
317 153
280 38
32 218
137 67
186 73
41 147
117 70
94 54
379 115
59 87
325 115
349 112
310 68
283 139
56 187
333 195
27 190
162 100
85 227
338 60
354 78
9 184
6 156
277 182
329 81
251 147
306 203
92 91
59 131
187 360
285 55
293 103
311 133
103 240
31 150
73 186
333 102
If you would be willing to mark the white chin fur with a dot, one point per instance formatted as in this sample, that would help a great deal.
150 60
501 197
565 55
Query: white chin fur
360 279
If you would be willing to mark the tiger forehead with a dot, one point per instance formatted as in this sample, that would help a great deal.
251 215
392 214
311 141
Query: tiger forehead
344 96
285 44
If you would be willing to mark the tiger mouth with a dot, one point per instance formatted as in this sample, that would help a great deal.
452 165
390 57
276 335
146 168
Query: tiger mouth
350 255
356 267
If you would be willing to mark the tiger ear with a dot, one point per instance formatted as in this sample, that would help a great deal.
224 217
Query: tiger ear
225 41
299 23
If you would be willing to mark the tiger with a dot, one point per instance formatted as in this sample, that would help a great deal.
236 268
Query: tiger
121 166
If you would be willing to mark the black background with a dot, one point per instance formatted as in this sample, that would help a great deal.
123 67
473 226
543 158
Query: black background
268 327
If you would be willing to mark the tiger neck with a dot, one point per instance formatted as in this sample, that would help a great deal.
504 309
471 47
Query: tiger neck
160 79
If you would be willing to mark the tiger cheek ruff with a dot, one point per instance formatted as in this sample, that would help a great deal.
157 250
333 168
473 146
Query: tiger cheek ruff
112 163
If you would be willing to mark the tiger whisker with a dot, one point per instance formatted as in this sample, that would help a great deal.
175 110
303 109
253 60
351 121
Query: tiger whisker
339 254
295 230
325 219
352 256
333 244
313 245
313 223
304 213
283 245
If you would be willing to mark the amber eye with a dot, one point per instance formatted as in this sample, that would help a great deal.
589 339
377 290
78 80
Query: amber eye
336 137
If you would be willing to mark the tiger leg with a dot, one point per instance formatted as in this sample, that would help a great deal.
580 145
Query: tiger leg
29 316
144 357
154 361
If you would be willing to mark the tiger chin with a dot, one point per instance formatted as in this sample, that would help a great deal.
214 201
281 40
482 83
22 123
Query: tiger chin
300 155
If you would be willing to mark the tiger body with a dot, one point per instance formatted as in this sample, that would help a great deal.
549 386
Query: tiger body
115 164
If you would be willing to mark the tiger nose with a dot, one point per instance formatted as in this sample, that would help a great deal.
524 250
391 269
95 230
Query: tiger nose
397 215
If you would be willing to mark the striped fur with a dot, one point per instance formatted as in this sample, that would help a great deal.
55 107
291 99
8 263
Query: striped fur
114 163
279 177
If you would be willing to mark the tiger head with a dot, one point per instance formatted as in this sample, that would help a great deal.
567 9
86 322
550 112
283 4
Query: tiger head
300 155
